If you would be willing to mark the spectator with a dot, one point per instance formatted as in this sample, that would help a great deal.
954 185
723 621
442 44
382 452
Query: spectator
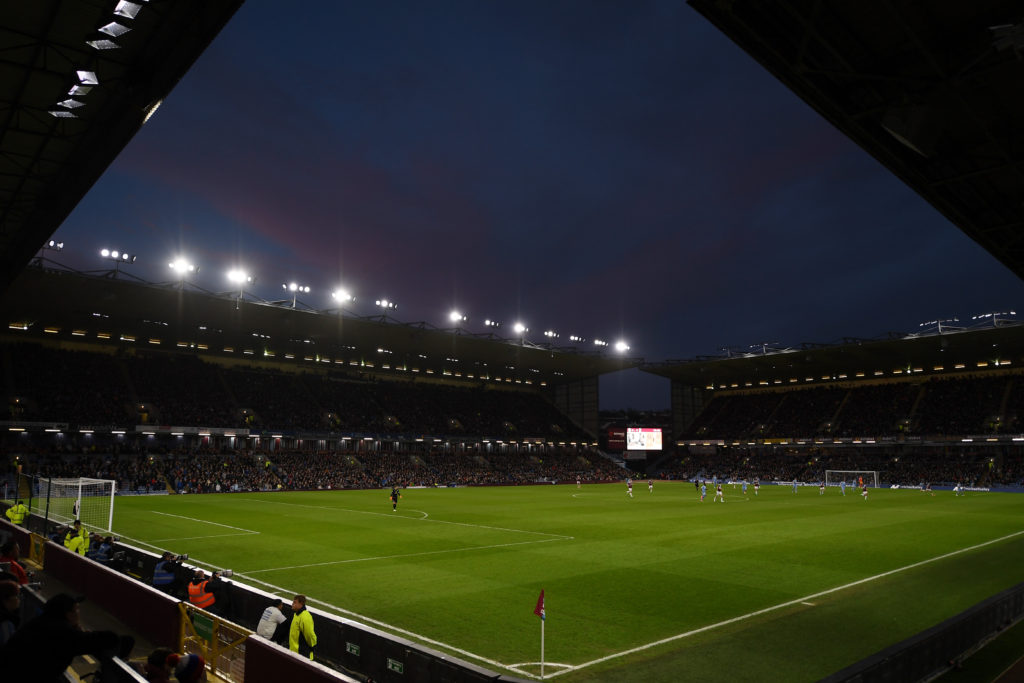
159 667
301 636
270 620
10 607
45 646
10 552
188 668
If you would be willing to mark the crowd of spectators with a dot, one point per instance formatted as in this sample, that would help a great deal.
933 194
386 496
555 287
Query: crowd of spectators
910 467
92 388
204 470
937 407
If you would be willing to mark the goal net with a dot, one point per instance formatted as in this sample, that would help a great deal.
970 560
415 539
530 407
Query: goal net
851 477
65 500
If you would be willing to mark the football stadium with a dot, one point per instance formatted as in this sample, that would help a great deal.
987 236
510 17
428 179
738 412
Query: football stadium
258 490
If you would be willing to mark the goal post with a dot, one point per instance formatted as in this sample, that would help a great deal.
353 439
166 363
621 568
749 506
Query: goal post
852 477
64 500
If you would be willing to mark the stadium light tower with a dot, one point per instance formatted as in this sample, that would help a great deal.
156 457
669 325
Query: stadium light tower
456 317
295 289
342 296
621 346
182 269
240 278
386 304
118 257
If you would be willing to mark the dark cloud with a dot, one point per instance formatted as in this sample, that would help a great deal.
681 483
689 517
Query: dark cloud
603 168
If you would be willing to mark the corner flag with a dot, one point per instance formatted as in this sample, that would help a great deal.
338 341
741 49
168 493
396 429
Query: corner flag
539 609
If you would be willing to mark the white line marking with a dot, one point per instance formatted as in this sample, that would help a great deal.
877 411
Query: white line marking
809 604
422 519
194 538
393 557
204 521
781 605
394 629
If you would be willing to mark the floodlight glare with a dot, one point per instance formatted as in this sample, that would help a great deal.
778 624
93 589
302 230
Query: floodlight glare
384 303
600 342
239 276
341 295
550 333
491 323
519 328
621 346
456 317
181 266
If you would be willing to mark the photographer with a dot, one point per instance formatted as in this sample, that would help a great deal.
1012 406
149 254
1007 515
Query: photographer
165 573
209 594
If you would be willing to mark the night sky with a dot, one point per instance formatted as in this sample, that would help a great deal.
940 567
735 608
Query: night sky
608 169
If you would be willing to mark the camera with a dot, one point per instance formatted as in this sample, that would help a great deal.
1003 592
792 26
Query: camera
224 573
181 558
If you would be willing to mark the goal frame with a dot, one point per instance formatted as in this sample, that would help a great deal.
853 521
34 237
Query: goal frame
74 487
833 477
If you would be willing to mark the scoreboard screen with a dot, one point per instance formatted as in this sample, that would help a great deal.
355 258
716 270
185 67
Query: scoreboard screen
643 439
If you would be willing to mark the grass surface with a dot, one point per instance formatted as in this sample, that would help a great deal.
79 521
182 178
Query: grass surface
461 569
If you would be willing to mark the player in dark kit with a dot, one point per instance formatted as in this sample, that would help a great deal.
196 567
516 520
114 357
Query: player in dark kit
395 495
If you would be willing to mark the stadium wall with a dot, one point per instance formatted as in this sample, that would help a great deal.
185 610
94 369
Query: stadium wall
930 653
346 644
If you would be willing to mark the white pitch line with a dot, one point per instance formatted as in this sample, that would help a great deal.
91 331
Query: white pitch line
781 605
809 604
195 538
395 557
421 519
205 521
395 629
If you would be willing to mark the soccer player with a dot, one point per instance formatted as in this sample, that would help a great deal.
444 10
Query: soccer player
629 487
842 487
703 491
864 491
650 485
794 486
821 488
395 495
744 487
579 482
719 494
757 486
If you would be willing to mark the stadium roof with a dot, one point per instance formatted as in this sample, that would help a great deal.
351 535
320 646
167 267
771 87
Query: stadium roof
930 89
59 304
953 349
77 81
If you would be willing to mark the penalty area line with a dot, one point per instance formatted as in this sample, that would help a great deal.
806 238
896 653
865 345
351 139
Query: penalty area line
205 521
783 605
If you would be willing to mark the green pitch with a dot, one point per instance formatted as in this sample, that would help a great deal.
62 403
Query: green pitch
781 586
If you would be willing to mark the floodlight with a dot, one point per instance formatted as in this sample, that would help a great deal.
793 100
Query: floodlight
240 276
576 338
342 295
456 317
551 333
491 323
384 303
621 346
295 288
600 342
54 244
519 328
117 256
